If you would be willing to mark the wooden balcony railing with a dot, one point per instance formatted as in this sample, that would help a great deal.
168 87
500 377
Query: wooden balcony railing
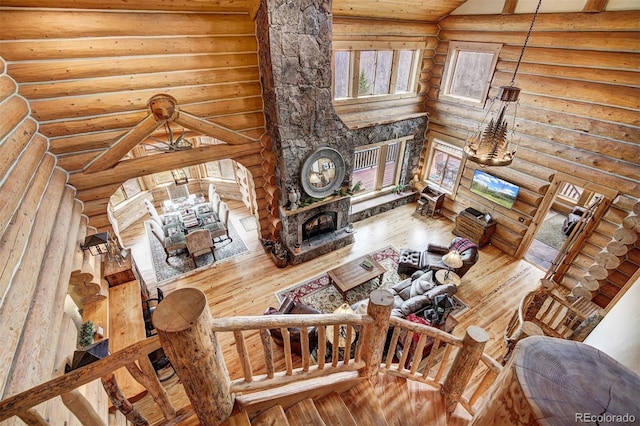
189 336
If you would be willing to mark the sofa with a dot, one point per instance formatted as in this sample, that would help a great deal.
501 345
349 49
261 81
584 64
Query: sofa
431 259
290 306
417 293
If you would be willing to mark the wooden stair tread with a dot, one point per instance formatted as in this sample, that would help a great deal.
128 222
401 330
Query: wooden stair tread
427 403
393 397
304 413
334 411
292 393
363 404
274 416
239 419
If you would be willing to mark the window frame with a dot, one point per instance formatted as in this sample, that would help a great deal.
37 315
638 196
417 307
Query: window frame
379 189
354 50
450 68
451 147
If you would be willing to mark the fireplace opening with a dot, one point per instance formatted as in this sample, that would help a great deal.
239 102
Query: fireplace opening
320 224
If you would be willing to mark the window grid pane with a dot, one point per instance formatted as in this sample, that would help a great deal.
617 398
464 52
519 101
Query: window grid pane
404 71
383 72
131 187
342 75
366 74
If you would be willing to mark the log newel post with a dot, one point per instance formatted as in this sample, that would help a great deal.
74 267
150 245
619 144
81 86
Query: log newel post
463 366
183 321
379 307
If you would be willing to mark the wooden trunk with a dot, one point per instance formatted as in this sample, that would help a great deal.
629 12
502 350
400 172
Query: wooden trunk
552 381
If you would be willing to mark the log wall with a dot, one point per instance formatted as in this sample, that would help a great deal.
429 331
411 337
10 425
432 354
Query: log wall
578 114
88 75
40 230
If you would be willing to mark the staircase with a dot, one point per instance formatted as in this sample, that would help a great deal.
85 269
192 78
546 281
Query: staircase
393 401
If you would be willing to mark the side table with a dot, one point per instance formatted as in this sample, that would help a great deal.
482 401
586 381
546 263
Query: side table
444 277
116 274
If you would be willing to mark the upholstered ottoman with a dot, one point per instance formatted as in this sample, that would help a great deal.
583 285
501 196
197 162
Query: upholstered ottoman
409 261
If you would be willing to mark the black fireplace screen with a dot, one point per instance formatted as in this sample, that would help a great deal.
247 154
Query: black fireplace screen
320 224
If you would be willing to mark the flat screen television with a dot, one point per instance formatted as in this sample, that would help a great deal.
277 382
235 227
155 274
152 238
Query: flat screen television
493 189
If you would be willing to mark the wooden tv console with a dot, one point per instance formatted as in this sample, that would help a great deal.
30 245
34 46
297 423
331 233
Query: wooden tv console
475 228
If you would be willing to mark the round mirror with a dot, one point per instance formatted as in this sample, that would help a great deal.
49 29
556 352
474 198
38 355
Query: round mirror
322 172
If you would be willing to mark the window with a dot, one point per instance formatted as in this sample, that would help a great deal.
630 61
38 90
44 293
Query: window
368 73
221 169
468 72
128 189
444 165
377 166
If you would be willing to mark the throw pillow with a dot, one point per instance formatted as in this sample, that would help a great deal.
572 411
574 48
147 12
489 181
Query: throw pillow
422 284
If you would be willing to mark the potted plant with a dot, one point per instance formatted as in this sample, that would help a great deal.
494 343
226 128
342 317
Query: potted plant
279 254
398 188
85 337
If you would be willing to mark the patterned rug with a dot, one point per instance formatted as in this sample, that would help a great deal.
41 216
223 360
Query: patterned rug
322 295
182 265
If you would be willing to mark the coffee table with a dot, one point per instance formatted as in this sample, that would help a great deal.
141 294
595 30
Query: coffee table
352 274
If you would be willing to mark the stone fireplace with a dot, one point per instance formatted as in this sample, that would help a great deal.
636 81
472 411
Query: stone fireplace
295 70
317 229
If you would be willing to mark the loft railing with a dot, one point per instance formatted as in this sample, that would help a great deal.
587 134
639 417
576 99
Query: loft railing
189 337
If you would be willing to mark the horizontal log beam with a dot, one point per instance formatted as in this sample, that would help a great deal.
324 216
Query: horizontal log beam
54 24
137 167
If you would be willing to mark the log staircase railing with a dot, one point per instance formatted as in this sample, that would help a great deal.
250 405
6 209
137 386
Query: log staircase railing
544 312
188 334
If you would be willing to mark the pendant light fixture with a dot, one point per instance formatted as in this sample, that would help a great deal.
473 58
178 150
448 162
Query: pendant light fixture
492 143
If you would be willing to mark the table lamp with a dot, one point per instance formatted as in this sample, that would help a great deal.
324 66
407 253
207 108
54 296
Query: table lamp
342 329
452 260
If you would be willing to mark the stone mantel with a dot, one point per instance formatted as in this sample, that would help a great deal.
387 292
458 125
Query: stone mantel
324 201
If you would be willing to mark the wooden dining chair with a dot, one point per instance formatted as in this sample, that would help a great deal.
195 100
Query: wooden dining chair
198 243
222 226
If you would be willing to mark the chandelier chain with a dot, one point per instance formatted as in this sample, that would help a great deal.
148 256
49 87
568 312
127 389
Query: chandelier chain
526 40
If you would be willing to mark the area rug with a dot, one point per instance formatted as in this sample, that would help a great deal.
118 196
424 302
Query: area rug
182 264
319 293
249 223
550 233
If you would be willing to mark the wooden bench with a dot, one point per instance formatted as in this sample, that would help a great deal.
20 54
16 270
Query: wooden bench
126 327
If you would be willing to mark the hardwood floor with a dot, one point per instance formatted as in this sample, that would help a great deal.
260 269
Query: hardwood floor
245 285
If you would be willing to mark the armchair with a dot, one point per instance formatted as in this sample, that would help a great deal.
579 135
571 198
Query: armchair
289 306
467 249
431 259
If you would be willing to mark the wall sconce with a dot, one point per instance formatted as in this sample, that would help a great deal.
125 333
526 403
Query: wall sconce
96 244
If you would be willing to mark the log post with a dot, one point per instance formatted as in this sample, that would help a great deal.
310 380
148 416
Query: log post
379 307
183 321
81 408
121 402
463 366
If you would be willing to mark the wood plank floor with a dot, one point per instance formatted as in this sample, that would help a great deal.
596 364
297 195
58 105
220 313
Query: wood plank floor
245 285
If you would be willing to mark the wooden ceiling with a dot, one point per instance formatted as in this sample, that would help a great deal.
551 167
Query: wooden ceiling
89 68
